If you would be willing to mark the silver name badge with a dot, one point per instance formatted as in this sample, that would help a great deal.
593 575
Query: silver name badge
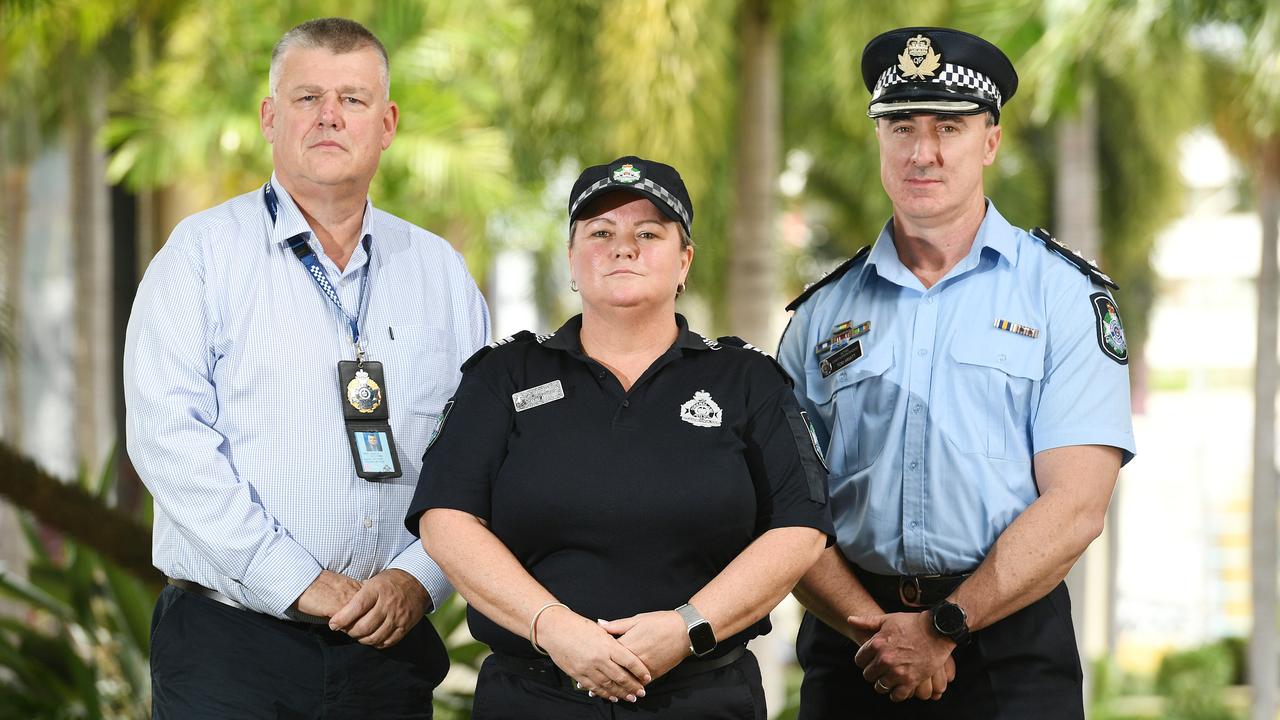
535 396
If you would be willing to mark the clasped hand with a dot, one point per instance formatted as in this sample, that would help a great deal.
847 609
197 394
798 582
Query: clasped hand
903 656
378 612
588 653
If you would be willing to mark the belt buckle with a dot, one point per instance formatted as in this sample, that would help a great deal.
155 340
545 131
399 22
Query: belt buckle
909 591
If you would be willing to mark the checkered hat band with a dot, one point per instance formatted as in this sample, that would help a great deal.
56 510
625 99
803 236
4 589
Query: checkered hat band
644 184
949 76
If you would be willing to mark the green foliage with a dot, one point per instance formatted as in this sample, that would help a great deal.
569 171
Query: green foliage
1194 680
80 648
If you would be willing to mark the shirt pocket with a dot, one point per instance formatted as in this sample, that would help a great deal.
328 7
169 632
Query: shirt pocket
421 367
856 403
990 397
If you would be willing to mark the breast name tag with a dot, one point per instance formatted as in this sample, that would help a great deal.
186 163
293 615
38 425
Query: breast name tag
840 359
535 396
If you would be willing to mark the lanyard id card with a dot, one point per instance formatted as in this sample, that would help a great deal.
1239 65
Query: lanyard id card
364 411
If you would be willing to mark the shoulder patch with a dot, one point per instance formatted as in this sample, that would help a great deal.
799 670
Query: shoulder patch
1109 329
522 336
735 341
1088 267
836 274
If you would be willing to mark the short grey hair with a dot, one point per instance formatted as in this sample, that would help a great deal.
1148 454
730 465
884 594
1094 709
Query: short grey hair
685 240
337 35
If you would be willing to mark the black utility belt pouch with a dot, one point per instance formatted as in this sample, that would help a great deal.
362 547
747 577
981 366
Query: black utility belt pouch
364 411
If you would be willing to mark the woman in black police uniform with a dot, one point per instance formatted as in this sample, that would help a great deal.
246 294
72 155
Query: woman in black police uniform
623 501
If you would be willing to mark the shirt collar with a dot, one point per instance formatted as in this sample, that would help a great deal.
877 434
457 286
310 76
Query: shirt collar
569 337
995 232
290 222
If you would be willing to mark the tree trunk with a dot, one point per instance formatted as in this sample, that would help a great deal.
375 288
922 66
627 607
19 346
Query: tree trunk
755 311
1077 223
92 275
14 207
1263 666
67 508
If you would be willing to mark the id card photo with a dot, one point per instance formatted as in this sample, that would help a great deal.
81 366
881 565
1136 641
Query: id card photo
375 452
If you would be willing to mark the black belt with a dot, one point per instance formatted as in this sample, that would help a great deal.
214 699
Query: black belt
546 672
912 591
218 597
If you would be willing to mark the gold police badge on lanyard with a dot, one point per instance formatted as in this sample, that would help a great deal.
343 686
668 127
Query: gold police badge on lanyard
919 60
363 393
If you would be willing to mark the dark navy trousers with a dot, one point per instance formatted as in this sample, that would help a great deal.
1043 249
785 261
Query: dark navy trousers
212 661
1025 666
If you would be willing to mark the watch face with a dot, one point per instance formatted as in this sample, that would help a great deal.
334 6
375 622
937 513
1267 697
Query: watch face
949 619
702 638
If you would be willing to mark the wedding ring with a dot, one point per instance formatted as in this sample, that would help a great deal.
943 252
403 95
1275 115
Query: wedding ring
881 687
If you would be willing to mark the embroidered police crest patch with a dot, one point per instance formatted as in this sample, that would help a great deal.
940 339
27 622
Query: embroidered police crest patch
1110 331
701 411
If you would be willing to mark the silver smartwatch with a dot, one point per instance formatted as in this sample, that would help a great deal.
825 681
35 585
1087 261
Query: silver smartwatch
702 639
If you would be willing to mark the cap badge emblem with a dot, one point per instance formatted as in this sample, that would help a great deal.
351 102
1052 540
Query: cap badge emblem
626 174
701 411
919 60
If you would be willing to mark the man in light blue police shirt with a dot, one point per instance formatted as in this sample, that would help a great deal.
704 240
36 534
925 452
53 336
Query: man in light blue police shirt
968 382
270 336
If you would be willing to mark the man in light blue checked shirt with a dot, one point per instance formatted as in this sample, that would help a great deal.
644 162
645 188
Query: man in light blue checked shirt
295 589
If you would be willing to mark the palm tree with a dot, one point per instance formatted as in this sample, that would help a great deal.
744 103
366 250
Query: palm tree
1246 116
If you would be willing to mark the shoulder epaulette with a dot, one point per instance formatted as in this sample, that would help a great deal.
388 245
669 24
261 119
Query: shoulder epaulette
843 268
522 336
1088 267
735 341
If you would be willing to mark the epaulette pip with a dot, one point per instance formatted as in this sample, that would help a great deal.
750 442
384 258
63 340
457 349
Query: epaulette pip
836 274
522 336
1088 267
735 341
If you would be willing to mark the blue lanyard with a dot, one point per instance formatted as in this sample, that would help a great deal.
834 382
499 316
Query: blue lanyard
298 244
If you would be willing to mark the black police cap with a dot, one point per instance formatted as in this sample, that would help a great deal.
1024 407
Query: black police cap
660 183
936 70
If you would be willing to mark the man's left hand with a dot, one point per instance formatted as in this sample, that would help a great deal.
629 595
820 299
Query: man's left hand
387 606
903 652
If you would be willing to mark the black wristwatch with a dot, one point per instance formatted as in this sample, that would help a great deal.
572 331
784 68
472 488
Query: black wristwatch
702 639
950 621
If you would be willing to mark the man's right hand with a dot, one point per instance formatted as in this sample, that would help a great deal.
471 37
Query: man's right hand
326 595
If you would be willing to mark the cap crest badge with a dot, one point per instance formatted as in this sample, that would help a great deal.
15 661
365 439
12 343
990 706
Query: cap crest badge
626 174
701 411
919 60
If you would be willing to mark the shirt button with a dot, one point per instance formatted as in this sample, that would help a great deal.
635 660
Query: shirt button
914 524
626 403
917 408
929 300
843 375
922 352
912 466
368 523
1001 358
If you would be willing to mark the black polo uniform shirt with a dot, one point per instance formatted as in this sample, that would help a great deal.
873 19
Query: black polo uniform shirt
623 502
